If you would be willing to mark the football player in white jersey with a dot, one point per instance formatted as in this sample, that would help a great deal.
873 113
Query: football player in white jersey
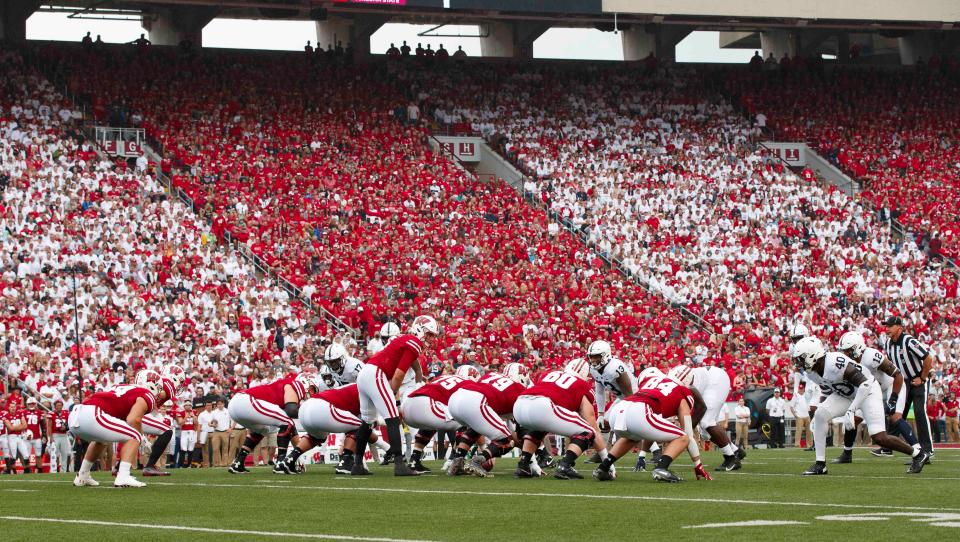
846 388
609 375
891 384
713 386
343 367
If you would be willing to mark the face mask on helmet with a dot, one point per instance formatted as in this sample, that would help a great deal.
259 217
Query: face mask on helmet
599 353
334 356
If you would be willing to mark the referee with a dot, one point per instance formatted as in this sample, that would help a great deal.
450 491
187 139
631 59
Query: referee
914 360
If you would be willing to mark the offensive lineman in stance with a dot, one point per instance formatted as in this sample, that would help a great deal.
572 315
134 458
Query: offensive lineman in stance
111 416
645 416
271 405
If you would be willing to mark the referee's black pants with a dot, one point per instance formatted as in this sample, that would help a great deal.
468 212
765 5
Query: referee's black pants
917 397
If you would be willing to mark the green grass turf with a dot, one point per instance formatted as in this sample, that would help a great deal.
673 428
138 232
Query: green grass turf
440 508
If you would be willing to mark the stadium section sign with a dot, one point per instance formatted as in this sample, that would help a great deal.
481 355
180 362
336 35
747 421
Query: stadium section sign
794 154
466 149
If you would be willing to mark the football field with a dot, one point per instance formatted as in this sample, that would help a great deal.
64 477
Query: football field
767 500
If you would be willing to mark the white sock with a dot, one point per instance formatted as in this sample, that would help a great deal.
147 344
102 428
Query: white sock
916 450
85 468
381 444
642 454
603 454
654 447
124 470
729 449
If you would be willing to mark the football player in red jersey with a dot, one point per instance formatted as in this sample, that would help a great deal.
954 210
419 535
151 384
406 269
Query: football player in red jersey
60 442
645 416
481 408
114 415
271 405
335 410
32 438
157 424
13 424
378 382
560 403
426 409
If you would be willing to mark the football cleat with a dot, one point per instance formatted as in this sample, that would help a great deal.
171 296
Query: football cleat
594 458
523 471
475 466
845 457
730 463
154 471
359 469
456 466
810 449
881 452
281 467
740 454
419 467
544 459
664 475
602 475
816 469
641 465
921 459
566 472
127 481
85 480
926 462
400 468
345 465
387 459
238 468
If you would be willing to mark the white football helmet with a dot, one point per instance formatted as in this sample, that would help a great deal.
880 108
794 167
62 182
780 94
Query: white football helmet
649 372
389 331
852 344
309 381
334 356
175 374
517 372
682 374
807 352
154 387
327 376
578 367
798 331
423 325
146 375
599 354
468 372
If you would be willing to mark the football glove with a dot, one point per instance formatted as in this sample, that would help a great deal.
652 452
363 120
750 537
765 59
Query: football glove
145 446
701 473
603 424
892 404
849 424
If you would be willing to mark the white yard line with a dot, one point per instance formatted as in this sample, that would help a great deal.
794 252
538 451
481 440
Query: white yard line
752 523
912 477
532 494
207 530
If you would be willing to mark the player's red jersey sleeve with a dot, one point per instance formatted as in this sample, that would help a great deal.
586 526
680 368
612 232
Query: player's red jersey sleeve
273 392
399 354
345 398
564 389
441 388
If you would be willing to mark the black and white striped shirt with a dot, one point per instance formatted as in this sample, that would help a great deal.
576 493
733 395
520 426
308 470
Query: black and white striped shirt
907 354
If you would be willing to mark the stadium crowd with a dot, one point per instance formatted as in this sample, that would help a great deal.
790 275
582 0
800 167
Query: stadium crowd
335 187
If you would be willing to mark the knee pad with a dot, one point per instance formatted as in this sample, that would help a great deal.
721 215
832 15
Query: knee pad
252 440
468 436
292 410
499 447
535 437
285 431
583 440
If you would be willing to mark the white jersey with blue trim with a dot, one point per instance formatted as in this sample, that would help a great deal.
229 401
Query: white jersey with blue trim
870 361
832 381
348 372
606 380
